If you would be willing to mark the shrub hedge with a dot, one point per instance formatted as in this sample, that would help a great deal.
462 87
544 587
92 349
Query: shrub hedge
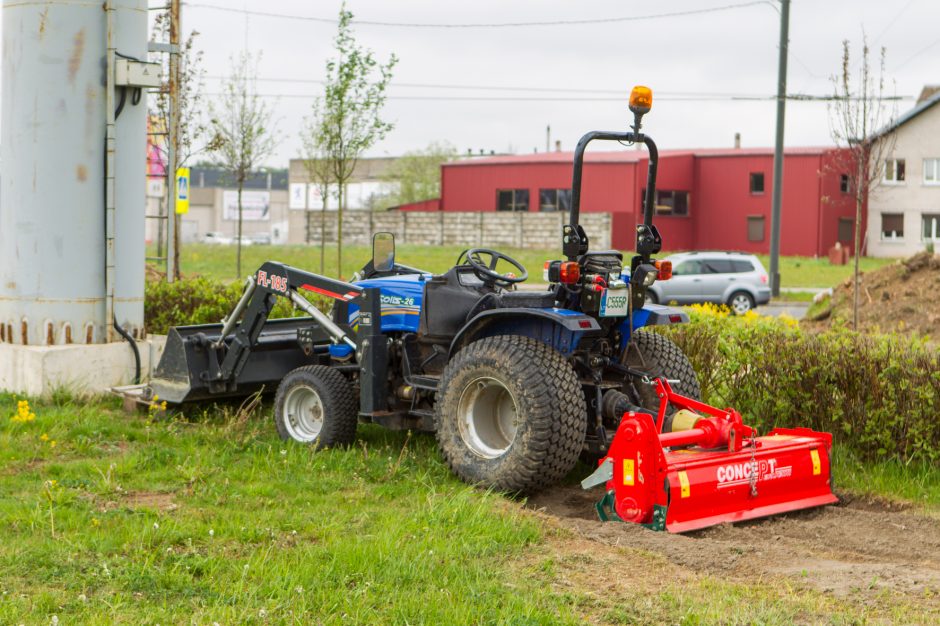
201 301
877 394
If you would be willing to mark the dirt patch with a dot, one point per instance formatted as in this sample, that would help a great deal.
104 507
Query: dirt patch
156 500
894 298
858 550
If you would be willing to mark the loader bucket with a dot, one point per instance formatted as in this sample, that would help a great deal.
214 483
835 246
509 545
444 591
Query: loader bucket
667 481
183 372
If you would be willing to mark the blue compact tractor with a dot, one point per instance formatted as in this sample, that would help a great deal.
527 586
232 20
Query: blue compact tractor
516 384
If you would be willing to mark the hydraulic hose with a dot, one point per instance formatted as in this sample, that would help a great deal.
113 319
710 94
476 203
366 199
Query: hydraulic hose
130 340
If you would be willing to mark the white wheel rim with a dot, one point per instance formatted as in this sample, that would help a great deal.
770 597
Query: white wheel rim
487 417
741 304
303 414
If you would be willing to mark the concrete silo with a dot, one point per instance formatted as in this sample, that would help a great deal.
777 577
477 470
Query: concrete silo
71 227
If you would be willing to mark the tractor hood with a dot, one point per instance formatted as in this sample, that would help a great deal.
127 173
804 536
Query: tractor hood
401 301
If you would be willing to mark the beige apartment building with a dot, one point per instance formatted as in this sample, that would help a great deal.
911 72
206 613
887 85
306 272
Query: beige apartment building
904 210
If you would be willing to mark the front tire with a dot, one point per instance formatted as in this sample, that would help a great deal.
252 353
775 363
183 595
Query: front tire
316 404
510 415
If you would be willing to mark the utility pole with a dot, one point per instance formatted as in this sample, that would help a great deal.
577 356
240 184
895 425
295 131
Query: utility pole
778 151
173 230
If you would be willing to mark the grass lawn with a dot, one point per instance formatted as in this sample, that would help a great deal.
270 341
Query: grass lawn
115 518
219 261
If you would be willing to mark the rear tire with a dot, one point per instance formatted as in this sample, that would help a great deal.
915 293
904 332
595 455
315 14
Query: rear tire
316 404
659 357
510 415
651 297
741 302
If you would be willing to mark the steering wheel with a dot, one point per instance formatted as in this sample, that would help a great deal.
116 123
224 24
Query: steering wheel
487 271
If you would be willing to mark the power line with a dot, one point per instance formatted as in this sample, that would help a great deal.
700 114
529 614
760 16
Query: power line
618 92
604 20
677 98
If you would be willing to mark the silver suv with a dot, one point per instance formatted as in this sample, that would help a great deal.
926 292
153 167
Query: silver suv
733 278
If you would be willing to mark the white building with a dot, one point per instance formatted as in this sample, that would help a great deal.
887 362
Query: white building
904 210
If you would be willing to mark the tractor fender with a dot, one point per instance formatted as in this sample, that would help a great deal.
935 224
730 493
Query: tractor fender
658 315
562 329
651 315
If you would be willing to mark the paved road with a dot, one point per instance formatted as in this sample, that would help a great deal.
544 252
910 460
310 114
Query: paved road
793 309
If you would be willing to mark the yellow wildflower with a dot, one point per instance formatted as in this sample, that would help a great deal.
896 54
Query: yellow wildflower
44 437
52 443
23 412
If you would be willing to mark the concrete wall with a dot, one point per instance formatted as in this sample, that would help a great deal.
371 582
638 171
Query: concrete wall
510 230
917 140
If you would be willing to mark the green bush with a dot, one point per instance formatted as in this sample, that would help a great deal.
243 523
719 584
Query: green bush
877 394
202 301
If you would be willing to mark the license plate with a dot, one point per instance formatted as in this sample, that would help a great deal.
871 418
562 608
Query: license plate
614 302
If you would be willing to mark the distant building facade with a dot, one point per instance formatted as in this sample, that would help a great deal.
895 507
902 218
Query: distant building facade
213 206
706 199
904 210
367 185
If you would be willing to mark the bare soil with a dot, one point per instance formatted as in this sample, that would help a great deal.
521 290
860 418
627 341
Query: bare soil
900 297
863 551
156 500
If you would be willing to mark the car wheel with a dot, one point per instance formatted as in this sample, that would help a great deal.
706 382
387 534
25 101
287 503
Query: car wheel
651 297
741 302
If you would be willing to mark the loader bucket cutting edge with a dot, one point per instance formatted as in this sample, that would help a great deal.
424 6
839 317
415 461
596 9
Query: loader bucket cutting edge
689 488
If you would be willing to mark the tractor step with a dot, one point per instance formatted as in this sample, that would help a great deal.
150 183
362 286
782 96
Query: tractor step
717 471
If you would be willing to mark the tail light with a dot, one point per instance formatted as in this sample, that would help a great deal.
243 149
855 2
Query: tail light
569 272
763 279
664 269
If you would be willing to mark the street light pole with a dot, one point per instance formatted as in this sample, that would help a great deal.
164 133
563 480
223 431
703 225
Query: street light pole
778 151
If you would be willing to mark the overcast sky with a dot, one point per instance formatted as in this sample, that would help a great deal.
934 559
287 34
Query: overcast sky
586 71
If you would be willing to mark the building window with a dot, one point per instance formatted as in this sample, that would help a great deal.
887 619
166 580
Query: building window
672 202
512 200
892 226
755 227
554 199
930 226
894 171
757 182
844 185
846 230
932 171
669 202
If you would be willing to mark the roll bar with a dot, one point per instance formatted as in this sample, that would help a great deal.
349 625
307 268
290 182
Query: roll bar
574 239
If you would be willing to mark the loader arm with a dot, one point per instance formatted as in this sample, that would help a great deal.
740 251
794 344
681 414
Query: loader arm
261 291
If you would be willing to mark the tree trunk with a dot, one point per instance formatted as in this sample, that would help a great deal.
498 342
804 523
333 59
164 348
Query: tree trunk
238 263
861 184
306 225
339 230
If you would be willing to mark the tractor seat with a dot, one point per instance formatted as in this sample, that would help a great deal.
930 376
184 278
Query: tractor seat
512 300
525 299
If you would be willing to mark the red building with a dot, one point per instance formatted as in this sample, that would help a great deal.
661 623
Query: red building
706 199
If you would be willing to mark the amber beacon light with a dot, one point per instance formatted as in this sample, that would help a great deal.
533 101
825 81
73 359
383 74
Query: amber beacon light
641 99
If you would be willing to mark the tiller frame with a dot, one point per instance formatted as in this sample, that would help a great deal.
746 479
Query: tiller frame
711 469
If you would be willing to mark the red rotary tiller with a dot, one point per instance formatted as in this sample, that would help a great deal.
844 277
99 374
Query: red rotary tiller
712 468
